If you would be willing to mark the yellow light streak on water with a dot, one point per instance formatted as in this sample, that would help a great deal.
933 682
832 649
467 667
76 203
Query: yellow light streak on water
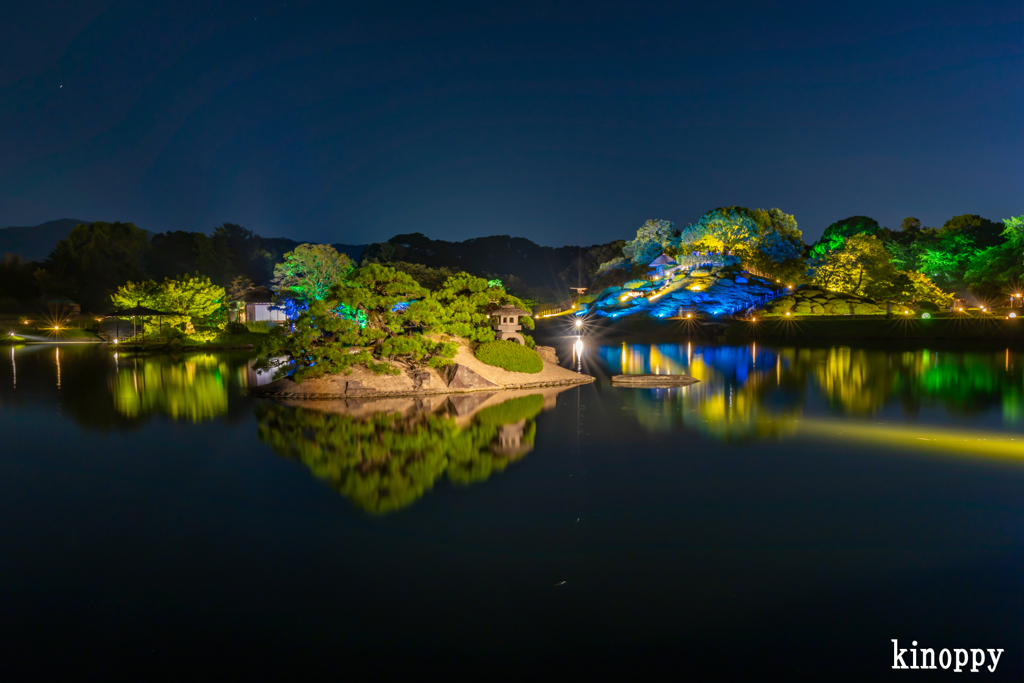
938 440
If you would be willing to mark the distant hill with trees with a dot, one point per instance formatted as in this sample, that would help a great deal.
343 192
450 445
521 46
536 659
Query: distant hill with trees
524 265
35 242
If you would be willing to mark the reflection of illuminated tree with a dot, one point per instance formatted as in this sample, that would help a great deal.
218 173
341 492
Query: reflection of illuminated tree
194 389
968 383
859 381
388 461
746 394
735 415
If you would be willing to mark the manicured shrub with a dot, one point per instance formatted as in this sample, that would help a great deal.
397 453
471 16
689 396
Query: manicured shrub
864 309
700 272
635 284
817 309
508 355
588 298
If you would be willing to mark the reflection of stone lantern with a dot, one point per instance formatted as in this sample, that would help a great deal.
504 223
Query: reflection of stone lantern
510 440
506 325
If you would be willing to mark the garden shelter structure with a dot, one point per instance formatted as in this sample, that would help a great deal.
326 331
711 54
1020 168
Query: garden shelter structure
259 307
137 312
659 264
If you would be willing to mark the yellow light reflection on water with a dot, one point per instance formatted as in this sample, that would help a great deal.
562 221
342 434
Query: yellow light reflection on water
962 442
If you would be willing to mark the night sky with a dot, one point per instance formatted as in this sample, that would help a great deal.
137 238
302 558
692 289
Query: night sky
563 122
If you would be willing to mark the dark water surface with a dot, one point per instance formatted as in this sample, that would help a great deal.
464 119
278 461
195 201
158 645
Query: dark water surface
785 518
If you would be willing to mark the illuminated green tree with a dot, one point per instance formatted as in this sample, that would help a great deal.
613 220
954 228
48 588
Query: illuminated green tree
728 229
836 234
851 267
145 293
310 270
327 339
923 289
467 302
652 238
1014 230
997 270
195 300
778 248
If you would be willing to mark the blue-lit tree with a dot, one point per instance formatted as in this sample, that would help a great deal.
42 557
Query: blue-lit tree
652 239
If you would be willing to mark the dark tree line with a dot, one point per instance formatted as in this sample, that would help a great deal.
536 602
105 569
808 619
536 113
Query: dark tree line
96 258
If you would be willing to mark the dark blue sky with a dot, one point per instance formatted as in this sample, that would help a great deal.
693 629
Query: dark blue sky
563 122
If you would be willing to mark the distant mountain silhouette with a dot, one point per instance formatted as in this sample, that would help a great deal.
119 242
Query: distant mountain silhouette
483 256
34 242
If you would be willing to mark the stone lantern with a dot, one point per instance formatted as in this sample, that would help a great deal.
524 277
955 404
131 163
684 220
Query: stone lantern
505 322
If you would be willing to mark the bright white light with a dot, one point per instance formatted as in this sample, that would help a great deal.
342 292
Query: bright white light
578 346
1013 315
578 322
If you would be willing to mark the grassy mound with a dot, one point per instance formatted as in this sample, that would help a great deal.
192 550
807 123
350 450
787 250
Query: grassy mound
508 355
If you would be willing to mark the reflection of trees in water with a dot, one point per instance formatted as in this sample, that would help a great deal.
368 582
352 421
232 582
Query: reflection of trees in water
387 461
740 413
754 392
194 389
103 390
858 381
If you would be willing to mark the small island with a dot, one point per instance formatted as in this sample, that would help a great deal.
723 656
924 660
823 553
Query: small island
378 333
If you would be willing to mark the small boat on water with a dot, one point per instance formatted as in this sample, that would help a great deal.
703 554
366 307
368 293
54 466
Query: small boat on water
653 381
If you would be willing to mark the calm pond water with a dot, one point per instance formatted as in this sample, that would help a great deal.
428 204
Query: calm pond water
794 511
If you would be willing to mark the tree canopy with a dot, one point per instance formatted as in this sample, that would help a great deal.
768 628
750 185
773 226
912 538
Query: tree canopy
194 300
837 232
652 239
310 270
383 319
93 260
